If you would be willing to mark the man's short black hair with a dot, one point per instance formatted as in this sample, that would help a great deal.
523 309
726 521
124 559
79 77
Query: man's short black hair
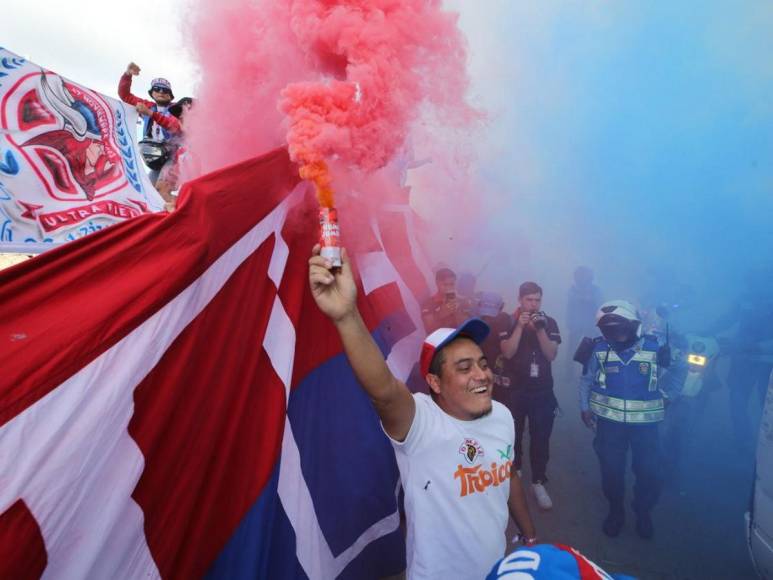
439 358
529 288
436 365
444 273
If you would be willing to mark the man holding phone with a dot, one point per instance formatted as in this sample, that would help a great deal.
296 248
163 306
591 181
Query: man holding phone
445 308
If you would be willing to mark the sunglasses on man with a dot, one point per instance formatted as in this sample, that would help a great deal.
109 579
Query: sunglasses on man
162 90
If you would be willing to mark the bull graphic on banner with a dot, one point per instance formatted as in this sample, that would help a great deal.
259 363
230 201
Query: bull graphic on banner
68 159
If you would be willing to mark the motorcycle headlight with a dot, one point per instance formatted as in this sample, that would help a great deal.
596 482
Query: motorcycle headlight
697 360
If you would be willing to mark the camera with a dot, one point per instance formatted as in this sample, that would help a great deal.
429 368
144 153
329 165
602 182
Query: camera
539 320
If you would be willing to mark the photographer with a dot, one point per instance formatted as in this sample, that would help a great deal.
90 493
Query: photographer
528 348
445 308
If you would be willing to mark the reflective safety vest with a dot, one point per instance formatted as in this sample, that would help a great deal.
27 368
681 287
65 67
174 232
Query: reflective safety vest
625 388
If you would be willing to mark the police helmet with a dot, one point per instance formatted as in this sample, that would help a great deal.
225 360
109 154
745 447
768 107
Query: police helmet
618 318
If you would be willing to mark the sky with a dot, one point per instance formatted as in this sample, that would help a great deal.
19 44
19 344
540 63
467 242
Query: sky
91 41
635 138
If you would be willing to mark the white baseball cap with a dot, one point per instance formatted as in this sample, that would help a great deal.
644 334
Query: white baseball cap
474 329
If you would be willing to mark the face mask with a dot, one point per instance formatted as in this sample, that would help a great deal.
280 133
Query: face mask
619 334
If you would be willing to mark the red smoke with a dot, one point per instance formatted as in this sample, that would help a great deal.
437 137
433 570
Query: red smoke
246 54
352 76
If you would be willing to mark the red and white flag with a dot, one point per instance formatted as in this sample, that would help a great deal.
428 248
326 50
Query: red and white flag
173 403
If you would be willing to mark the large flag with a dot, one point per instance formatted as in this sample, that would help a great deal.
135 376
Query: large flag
68 159
173 404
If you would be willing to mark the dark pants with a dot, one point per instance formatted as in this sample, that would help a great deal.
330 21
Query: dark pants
747 379
611 444
538 408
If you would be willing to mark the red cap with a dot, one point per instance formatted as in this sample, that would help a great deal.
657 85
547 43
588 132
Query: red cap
474 329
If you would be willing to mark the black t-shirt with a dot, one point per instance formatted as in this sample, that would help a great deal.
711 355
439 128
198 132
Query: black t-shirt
528 360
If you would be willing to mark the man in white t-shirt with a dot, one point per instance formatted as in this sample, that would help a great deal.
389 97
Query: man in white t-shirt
454 448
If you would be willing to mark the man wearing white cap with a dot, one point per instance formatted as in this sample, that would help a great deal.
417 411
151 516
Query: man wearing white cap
454 448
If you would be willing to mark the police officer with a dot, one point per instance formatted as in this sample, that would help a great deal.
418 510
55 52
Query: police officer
621 400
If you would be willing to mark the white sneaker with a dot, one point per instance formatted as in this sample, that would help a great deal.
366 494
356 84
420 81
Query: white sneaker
541 494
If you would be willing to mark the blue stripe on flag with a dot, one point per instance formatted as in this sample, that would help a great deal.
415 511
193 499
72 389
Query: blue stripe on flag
247 554
347 461
383 558
350 469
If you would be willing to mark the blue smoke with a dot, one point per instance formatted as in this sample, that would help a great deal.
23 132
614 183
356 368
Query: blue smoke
634 139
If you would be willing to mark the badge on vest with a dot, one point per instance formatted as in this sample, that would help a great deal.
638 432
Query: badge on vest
612 370
644 368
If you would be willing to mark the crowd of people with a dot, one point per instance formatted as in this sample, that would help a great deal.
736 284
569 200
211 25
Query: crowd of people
520 350
484 380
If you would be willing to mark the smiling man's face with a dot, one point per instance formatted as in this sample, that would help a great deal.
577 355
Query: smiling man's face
463 388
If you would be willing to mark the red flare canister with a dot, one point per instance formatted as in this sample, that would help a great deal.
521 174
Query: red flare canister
330 235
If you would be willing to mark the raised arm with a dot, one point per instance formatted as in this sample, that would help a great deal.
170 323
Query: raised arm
125 86
335 293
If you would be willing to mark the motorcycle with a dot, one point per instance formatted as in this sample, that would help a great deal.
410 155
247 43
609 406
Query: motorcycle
155 153
699 355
